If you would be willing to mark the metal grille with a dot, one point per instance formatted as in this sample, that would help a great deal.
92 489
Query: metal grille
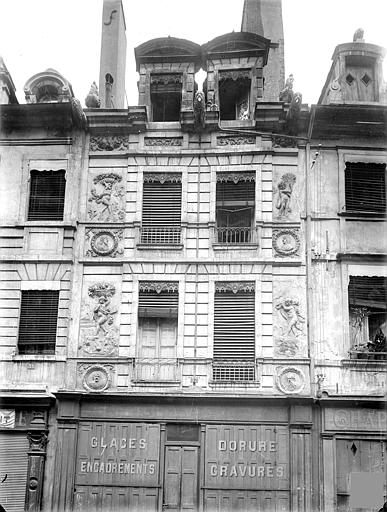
38 321
47 195
365 187
234 326
156 369
13 465
233 371
161 213
242 235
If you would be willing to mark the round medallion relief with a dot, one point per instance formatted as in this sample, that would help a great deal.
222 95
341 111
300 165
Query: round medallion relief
104 243
96 378
286 242
290 380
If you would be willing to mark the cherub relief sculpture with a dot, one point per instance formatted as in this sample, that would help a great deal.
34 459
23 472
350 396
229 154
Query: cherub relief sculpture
286 95
106 198
290 311
99 335
284 191
289 328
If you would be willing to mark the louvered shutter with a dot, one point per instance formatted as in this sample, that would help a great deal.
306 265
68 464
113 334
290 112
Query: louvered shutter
47 195
365 187
158 305
234 326
161 212
368 291
13 464
38 321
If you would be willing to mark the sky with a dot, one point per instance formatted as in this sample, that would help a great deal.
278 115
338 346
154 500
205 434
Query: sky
66 35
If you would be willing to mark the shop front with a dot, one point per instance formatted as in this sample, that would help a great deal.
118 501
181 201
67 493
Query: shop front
182 454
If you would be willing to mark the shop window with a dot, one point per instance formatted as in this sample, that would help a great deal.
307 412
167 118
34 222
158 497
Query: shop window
365 188
367 313
235 208
354 456
47 195
234 332
38 321
161 209
234 94
165 93
157 332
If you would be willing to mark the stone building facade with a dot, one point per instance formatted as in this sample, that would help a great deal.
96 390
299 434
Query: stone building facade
193 289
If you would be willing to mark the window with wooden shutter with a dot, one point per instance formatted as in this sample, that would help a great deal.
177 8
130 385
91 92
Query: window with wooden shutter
235 207
157 332
161 209
367 298
165 93
234 332
38 321
47 195
365 188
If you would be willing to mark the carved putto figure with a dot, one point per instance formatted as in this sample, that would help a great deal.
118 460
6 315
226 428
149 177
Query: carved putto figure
92 99
243 111
98 333
284 190
105 198
358 36
289 309
286 95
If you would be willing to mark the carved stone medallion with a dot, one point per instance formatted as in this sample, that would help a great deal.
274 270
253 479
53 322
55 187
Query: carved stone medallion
96 378
286 242
104 242
290 380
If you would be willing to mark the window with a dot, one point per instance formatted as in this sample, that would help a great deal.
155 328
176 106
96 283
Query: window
157 331
235 207
161 209
166 97
367 316
38 321
47 195
234 332
234 94
365 188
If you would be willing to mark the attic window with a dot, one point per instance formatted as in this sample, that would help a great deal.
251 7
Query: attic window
234 94
349 79
47 94
365 79
166 96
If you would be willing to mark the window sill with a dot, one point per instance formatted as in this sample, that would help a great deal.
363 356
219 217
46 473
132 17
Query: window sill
226 247
361 363
156 383
47 224
38 358
364 216
234 384
160 247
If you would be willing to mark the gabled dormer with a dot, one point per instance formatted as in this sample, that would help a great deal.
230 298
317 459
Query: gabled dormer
356 74
234 64
167 68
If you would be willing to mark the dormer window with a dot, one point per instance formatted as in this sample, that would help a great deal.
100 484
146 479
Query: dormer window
166 96
234 94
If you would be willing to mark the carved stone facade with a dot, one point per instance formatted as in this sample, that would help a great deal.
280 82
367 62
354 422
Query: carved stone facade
236 141
163 141
286 242
96 377
104 242
109 143
290 380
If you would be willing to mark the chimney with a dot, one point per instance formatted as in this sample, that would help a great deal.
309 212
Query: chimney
113 55
264 17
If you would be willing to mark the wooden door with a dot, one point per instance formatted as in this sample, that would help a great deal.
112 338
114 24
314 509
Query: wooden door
181 478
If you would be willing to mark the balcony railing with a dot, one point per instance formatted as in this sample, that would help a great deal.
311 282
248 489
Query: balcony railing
235 235
368 355
156 370
160 236
233 371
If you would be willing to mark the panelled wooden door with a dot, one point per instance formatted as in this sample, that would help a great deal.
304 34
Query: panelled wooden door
181 478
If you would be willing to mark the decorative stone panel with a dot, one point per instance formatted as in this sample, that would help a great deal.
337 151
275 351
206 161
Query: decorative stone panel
286 242
110 143
106 198
104 242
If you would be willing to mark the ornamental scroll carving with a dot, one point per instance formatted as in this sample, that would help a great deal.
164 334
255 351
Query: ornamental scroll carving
286 242
235 177
284 194
290 326
224 287
283 142
38 441
112 143
106 198
238 74
159 177
96 377
151 286
104 242
166 78
163 141
236 141
99 334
